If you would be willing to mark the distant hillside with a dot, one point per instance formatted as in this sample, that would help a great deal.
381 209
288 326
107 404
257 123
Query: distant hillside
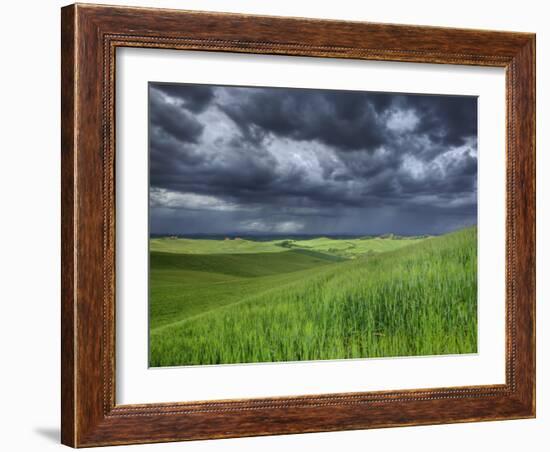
338 248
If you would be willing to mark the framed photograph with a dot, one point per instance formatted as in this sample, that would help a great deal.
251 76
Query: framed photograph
280 225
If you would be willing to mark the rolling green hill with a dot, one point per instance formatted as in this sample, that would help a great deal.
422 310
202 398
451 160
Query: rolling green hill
246 264
311 299
351 247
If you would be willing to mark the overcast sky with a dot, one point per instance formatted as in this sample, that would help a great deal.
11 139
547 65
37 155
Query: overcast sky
281 161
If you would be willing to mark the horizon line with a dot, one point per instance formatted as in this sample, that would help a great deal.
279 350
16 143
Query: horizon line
276 234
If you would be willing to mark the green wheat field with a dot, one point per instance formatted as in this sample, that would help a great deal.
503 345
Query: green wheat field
223 301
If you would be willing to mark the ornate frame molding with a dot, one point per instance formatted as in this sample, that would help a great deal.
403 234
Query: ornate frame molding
90 37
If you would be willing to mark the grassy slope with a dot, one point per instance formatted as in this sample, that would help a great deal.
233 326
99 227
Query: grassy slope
417 300
186 285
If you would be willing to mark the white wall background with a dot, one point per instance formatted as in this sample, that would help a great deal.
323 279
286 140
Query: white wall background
29 255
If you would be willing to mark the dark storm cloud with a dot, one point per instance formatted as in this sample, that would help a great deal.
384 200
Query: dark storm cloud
350 120
173 119
310 161
194 98
448 119
346 120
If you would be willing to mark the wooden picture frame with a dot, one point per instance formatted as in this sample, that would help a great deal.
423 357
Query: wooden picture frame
90 36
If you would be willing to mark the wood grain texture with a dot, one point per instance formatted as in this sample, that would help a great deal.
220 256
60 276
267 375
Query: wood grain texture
90 36
68 244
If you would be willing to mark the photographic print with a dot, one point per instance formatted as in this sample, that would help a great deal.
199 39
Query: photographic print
290 224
